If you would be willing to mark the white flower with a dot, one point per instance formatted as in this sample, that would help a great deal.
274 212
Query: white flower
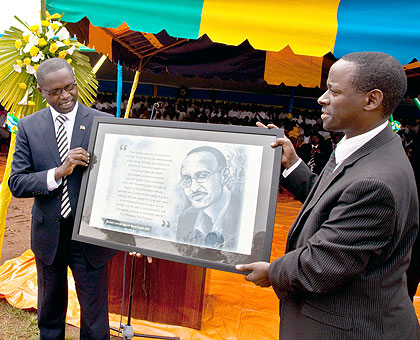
33 39
28 47
17 68
70 50
30 69
55 22
63 34
24 100
50 34
38 57
59 44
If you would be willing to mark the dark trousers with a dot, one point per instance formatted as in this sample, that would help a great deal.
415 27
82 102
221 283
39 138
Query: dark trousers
91 288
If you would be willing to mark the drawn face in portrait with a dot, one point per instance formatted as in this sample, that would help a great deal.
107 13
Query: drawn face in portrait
202 179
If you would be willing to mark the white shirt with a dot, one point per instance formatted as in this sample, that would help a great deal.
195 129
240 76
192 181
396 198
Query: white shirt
346 147
52 184
233 113
100 106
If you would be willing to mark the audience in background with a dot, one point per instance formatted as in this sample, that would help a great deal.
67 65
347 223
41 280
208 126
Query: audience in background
303 127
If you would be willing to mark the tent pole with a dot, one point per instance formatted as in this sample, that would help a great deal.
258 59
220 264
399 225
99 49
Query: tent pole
133 89
292 99
98 64
119 90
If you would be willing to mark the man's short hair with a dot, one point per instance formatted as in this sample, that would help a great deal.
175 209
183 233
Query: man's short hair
51 65
221 160
377 70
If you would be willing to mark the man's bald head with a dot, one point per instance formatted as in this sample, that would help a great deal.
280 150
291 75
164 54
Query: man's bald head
49 66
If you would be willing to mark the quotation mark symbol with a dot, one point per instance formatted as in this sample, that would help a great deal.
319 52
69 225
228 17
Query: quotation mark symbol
123 147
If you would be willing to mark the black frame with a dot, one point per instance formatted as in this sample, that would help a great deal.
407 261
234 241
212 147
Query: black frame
96 200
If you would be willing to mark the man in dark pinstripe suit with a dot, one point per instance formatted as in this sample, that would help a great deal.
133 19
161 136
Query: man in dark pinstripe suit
344 272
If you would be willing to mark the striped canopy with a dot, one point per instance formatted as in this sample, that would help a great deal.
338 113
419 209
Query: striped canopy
309 27
294 35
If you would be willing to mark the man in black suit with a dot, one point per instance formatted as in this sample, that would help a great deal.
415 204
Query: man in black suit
343 275
43 140
312 153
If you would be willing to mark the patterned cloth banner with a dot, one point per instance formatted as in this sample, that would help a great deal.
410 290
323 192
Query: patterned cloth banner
12 122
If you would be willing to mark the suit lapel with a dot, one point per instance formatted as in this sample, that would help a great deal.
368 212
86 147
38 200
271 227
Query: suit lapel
378 141
320 188
80 128
308 200
46 126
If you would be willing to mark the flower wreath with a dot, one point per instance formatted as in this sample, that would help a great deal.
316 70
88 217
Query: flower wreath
21 52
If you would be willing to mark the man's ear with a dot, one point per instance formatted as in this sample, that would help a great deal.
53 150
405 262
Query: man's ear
225 175
374 99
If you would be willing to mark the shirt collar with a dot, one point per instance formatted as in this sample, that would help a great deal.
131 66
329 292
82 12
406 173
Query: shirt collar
348 146
71 116
219 211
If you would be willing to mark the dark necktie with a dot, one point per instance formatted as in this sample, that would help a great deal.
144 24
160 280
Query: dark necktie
329 168
63 150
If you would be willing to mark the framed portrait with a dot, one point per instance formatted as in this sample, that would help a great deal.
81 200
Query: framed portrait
201 194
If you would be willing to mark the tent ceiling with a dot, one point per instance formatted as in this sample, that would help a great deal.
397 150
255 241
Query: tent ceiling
309 27
302 26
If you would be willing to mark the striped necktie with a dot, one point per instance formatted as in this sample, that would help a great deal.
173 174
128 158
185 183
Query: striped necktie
311 162
63 151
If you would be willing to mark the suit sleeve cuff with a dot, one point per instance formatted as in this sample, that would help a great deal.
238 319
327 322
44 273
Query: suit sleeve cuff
52 184
287 172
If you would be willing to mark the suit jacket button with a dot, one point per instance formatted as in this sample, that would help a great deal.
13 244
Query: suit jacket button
57 219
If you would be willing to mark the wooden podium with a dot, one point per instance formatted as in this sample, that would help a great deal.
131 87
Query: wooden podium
164 291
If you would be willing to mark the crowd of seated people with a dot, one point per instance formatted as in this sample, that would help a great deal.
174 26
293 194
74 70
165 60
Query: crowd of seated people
303 127
205 111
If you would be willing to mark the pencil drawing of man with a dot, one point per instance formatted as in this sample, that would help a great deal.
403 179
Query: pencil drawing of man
211 218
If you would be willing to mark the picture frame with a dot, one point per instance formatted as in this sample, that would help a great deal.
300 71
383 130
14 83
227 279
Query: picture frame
195 193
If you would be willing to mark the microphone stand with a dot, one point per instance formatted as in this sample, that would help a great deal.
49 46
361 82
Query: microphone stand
127 329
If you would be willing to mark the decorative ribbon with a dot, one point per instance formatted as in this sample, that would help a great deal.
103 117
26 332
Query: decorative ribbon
12 122
395 125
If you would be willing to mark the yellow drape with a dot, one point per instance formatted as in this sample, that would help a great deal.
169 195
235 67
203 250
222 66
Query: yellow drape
5 194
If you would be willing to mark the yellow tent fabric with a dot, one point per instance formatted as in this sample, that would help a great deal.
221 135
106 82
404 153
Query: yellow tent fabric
267 24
